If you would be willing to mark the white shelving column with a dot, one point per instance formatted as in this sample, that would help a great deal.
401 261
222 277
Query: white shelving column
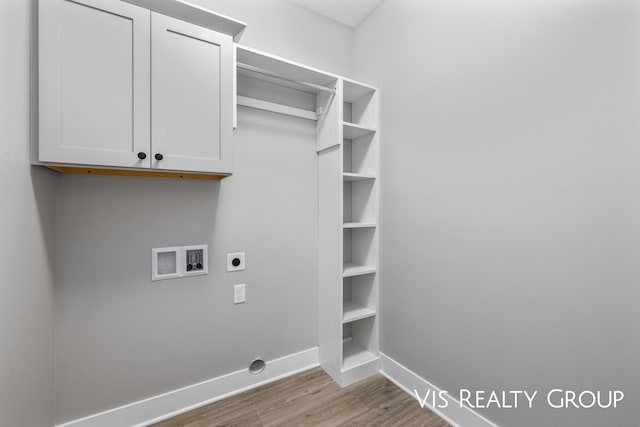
348 151
359 149
347 143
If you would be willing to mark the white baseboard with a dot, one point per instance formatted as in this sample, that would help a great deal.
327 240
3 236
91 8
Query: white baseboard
359 373
154 409
409 381
167 405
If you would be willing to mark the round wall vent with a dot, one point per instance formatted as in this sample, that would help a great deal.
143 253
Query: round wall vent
257 366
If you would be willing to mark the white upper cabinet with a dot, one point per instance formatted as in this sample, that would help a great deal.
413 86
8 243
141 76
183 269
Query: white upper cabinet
192 96
121 86
94 74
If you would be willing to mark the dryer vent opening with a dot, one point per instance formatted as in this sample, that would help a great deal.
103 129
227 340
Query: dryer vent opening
257 366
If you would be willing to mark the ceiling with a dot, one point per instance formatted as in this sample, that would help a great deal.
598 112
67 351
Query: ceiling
348 12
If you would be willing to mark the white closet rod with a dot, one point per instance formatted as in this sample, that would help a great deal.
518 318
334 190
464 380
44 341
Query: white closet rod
283 77
276 108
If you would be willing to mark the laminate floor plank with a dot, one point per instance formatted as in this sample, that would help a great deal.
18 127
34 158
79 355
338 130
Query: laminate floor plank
249 419
375 391
329 410
298 393
312 398
391 412
287 391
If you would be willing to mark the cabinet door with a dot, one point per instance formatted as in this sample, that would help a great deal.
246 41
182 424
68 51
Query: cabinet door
191 102
94 78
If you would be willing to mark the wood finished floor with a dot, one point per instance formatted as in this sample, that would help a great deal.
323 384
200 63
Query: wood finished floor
312 398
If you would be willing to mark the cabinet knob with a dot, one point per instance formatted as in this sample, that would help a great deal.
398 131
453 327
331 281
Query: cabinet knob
159 156
142 155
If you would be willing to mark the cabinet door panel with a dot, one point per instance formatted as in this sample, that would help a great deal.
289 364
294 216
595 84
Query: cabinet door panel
94 83
191 96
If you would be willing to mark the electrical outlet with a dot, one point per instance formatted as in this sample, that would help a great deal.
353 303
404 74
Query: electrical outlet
239 294
235 262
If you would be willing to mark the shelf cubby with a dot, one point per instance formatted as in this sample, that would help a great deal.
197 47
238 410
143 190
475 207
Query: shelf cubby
359 251
360 201
358 246
354 91
354 355
359 345
359 155
359 298
359 104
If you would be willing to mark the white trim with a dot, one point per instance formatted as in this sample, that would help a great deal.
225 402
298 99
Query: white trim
409 381
154 409
234 60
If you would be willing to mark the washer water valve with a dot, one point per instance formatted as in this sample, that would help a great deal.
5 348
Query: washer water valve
179 261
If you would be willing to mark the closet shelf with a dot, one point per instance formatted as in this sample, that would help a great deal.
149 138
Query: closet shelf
354 355
284 67
347 176
349 225
353 131
350 270
353 311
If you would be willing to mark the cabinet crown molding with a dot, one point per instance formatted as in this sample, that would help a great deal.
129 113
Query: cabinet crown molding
194 14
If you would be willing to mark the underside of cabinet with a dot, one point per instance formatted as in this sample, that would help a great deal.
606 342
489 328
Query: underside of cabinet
139 173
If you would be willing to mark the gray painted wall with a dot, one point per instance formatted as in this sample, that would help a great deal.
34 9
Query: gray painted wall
27 237
285 29
511 196
120 337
